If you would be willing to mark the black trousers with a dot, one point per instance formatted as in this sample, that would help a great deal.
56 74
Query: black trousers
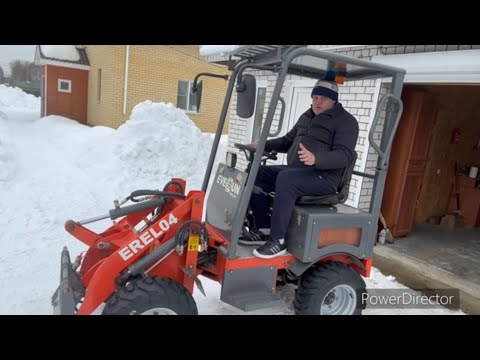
288 183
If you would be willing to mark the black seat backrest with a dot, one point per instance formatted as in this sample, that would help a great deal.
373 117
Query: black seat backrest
332 199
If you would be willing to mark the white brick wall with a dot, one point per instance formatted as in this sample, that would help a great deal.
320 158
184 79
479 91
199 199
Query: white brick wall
358 97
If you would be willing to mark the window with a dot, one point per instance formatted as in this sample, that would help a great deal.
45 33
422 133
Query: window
99 85
185 99
64 85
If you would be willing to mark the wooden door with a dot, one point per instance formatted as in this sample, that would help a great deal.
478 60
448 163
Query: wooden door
407 161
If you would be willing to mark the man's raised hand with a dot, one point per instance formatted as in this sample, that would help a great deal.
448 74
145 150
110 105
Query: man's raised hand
306 156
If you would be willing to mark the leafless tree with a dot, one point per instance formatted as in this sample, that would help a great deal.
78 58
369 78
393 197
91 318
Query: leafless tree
23 71
2 76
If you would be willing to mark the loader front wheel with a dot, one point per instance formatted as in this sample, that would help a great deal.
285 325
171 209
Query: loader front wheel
151 296
330 289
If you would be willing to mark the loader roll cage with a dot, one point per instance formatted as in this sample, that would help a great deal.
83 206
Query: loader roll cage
315 64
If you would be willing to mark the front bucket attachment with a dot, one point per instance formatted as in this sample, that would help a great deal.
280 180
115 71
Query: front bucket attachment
70 291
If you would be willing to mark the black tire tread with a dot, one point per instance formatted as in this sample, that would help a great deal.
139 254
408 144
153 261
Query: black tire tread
143 293
316 282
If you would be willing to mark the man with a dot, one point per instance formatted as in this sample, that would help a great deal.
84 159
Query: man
320 146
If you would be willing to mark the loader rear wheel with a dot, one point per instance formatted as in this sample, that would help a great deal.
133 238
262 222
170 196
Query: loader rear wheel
330 289
151 296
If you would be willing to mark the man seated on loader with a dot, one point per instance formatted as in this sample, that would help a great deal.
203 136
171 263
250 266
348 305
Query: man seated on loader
320 146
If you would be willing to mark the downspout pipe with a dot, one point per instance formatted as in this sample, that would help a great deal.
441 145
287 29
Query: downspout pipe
125 79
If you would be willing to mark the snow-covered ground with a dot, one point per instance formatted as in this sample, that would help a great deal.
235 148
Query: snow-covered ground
53 169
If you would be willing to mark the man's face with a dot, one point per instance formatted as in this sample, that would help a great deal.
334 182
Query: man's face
321 103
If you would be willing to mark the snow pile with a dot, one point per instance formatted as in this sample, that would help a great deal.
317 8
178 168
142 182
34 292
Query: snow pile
7 160
157 143
15 98
221 50
13 101
61 52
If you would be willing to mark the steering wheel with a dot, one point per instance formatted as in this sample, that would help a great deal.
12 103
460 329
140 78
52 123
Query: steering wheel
271 155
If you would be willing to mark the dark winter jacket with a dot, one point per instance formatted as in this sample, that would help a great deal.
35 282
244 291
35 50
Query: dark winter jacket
331 136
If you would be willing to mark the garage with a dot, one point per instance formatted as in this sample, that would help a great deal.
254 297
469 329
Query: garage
435 159
431 202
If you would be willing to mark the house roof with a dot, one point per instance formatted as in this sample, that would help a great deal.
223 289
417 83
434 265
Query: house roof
219 54
70 56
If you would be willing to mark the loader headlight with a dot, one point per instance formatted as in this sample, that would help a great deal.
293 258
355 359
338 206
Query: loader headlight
231 159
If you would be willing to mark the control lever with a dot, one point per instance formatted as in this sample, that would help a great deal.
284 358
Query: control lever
259 191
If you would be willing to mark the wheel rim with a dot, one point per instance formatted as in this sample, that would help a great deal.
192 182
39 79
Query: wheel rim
341 300
159 311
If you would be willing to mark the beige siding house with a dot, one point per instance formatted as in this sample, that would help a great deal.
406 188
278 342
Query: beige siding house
121 76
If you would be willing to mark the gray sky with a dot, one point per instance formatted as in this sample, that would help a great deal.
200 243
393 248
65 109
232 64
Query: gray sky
14 52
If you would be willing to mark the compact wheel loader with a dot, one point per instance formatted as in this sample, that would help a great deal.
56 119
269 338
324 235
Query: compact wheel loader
157 248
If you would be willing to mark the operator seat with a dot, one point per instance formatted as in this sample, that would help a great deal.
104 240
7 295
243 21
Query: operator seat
332 199
254 236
